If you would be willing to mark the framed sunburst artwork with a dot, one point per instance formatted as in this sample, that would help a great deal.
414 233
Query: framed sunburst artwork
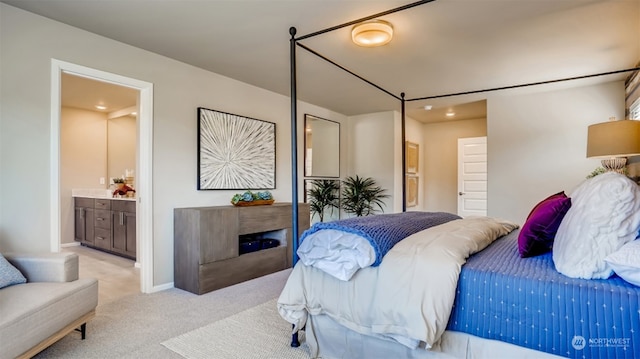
235 152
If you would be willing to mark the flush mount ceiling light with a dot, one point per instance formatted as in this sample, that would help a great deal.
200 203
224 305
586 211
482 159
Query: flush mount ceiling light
372 33
101 107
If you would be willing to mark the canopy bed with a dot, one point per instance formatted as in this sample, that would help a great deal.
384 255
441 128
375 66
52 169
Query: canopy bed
498 302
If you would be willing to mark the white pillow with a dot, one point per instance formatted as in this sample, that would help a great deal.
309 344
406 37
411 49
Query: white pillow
604 215
626 262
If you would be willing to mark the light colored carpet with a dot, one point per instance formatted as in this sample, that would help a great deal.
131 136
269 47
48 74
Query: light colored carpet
134 326
256 333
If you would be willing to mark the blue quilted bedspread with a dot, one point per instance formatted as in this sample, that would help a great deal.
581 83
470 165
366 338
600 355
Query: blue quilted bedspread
525 301
383 231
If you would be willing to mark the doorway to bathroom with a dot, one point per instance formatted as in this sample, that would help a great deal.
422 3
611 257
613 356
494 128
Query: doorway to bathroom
101 131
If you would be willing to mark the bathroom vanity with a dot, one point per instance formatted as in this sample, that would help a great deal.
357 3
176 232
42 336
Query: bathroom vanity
107 224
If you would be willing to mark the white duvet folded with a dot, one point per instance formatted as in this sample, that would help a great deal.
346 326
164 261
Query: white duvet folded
337 253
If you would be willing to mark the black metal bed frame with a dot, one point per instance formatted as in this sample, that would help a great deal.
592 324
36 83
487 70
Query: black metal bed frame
295 42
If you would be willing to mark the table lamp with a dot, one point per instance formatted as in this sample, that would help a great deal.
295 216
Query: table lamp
613 142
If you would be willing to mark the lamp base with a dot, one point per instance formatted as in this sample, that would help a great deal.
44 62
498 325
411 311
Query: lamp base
616 164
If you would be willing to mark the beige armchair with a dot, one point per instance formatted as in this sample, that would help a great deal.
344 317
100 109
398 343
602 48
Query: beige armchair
53 303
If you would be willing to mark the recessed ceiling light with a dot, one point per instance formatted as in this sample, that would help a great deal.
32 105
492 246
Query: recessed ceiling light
101 107
134 113
428 107
451 114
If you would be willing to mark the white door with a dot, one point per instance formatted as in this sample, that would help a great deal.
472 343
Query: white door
472 176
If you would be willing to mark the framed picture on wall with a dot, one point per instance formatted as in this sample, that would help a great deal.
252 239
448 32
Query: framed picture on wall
235 152
412 156
412 190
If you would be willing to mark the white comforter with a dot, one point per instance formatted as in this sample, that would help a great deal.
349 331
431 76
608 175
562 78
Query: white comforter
408 298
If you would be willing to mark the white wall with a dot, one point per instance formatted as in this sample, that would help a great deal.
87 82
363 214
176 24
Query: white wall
440 151
537 143
373 152
29 42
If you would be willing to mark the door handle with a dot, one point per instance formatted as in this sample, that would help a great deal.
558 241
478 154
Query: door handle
460 193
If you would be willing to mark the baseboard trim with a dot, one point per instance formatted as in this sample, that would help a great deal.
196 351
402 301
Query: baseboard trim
66 245
159 288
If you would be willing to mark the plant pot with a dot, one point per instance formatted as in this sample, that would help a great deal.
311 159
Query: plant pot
255 202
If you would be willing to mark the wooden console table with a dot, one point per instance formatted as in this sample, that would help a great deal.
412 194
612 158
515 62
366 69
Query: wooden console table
207 240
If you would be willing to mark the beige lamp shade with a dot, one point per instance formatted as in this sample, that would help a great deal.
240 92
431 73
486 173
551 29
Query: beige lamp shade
614 139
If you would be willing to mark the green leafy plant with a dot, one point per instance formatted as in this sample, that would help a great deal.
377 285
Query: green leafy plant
601 170
597 171
249 196
360 196
323 195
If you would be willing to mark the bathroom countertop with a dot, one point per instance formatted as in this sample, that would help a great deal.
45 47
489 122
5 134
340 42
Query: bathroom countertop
98 193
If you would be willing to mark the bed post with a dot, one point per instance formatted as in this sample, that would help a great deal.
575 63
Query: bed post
294 148
294 160
404 156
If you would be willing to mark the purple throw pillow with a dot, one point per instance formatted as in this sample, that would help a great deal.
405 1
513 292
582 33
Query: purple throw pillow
539 230
553 196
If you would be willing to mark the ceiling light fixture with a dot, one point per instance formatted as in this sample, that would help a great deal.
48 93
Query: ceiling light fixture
101 107
450 114
372 33
428 107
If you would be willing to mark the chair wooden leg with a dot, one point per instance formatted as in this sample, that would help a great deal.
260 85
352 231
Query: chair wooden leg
83 330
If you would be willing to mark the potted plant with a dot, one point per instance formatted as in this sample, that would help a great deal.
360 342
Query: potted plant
119 182
323 195
249 198
360 195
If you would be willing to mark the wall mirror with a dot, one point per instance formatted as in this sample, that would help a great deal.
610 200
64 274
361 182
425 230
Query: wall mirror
322 147
121 146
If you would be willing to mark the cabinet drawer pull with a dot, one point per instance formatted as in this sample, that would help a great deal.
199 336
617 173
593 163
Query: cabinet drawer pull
99 219
100 238
122 218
